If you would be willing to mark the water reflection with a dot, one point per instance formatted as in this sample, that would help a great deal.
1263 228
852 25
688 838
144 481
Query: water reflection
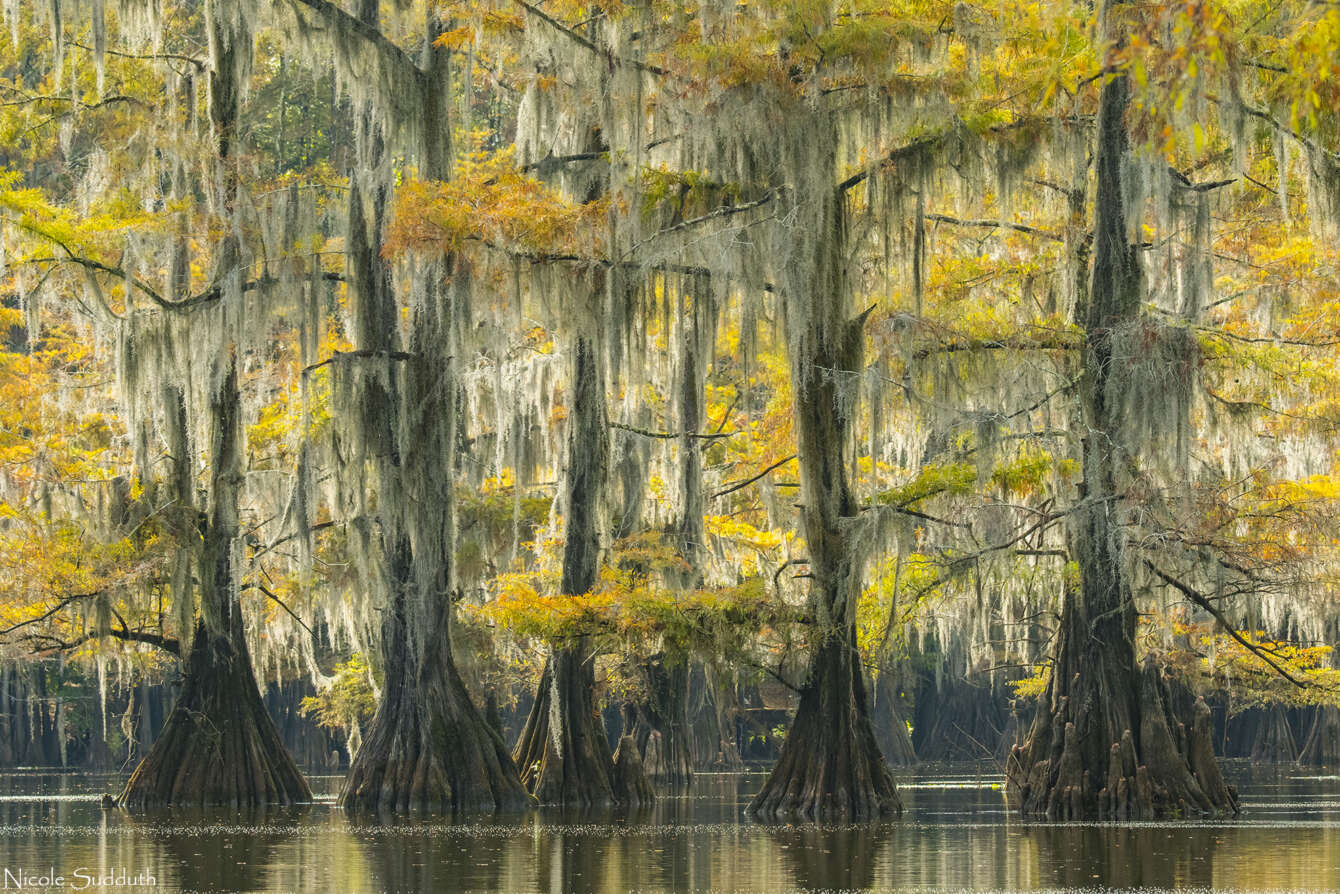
208 850
1125 857
835 857
955 833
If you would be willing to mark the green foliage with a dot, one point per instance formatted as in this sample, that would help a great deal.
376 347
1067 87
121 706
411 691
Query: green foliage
348 701
934 479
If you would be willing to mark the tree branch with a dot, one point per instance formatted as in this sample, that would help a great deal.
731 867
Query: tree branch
1200 599
279 602
585 42
995 224
670 435
748 481
352 355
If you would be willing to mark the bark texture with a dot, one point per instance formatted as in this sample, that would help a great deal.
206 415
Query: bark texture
1106 741
563 752
662 727
1322 746
713 712
889 720
428 747
830 765
218 747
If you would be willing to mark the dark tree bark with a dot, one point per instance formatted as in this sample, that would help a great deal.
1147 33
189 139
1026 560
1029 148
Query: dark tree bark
712 719
219 746
664 715
1105 741
1322 745
662 728
563 753
889 721
958 717
830 764
428 747
1264 735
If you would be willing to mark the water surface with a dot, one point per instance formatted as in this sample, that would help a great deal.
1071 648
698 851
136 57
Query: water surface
955 834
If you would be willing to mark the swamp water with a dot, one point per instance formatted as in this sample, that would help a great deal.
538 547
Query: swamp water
955 834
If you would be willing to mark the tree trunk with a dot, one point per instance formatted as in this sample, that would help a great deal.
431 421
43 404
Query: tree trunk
663 719
888 720
664 716
1272 740
831 766
1105 741
219 747
563 753
1322 746
830 763
568 763
957 717
428 747
712 721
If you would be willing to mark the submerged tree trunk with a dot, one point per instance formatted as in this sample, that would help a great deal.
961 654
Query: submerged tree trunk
958 717
664 716
830 764
662 730
1266 736
1322 745
889 722
563 752
428 747
219 747
1105 741
712 719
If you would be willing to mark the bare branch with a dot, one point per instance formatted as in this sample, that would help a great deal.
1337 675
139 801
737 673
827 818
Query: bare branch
1203 601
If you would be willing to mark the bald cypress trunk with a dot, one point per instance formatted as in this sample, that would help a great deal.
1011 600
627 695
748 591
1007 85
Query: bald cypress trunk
664 732
712 718
830 765
219 747
563 753
428 747
1322 745
1106 741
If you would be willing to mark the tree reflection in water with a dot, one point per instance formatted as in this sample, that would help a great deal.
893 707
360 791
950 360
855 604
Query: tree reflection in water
202 850
831 857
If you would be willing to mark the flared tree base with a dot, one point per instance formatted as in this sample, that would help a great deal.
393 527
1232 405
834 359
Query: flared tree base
831 767
430 750
660 725
571 765
1167 771
219 747
631 786
1322 745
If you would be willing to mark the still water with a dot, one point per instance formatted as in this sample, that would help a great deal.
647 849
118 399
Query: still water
955 834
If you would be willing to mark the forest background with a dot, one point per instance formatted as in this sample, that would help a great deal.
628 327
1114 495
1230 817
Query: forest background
545 398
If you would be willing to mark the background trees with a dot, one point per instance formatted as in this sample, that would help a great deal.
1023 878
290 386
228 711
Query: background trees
700 355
